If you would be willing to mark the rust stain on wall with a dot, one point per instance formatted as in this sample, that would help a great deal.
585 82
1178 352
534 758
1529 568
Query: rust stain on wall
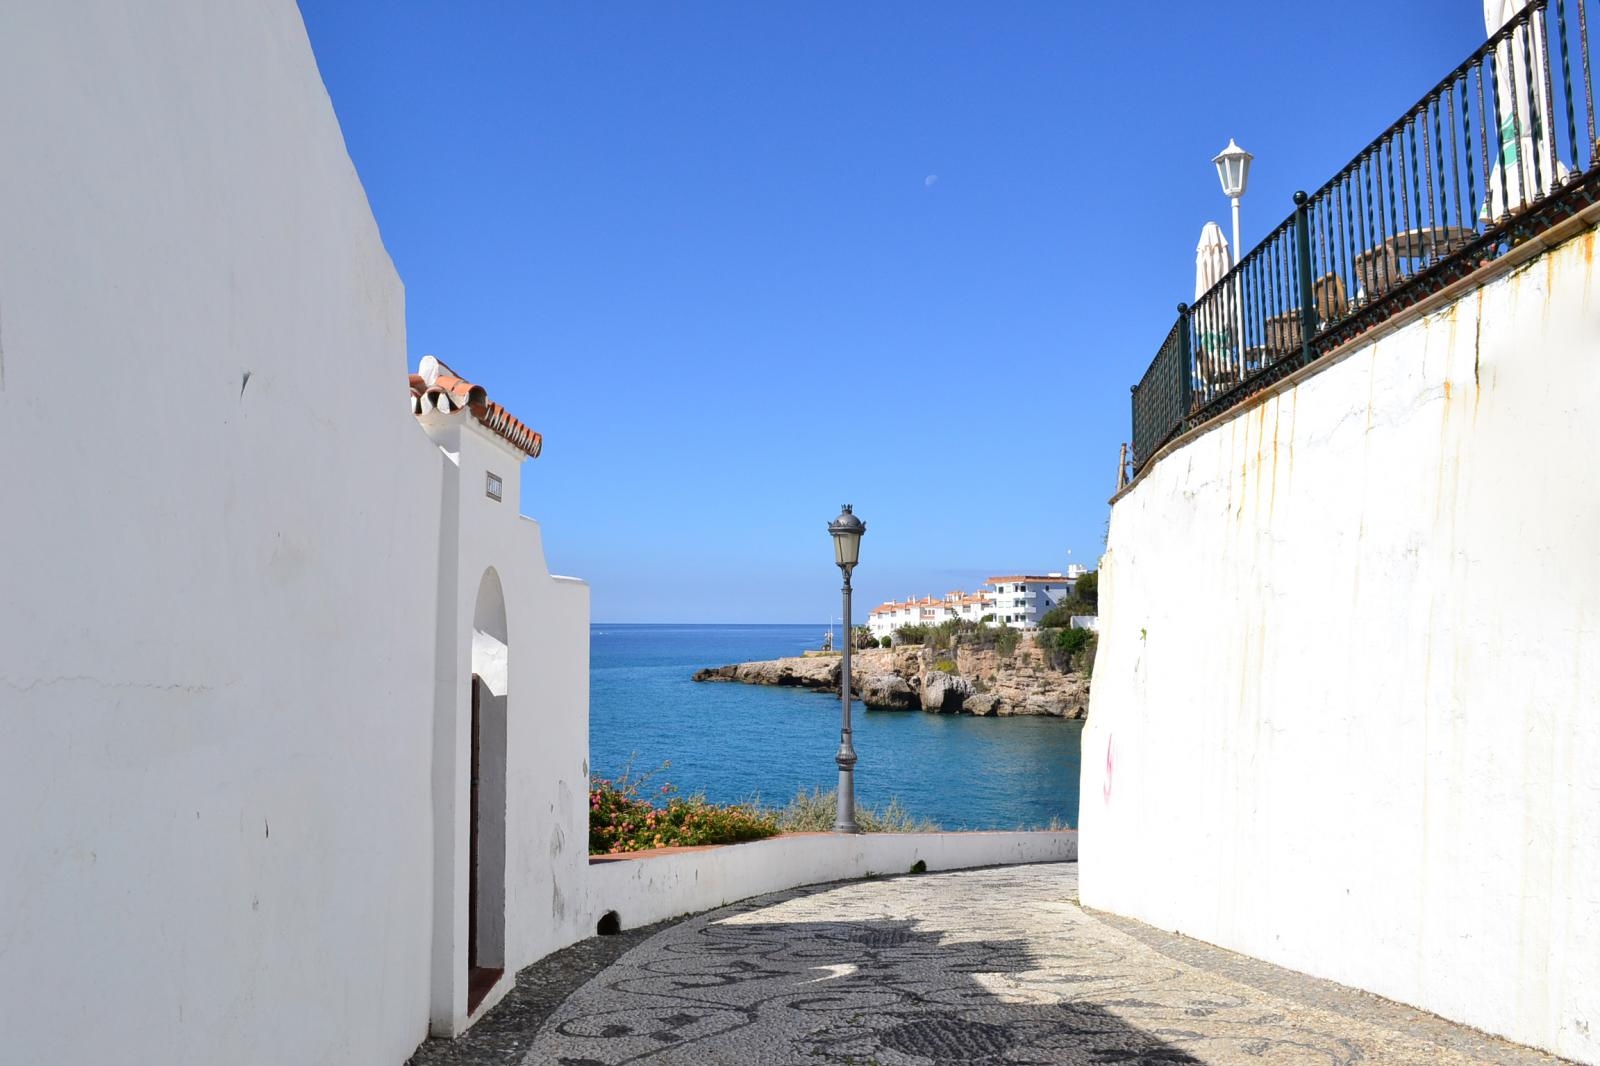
1272 492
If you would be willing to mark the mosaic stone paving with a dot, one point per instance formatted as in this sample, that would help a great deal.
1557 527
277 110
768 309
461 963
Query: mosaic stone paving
994 966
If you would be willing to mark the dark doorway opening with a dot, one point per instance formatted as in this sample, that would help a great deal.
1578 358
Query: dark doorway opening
480 978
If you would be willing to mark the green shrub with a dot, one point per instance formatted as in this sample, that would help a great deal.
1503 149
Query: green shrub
1006 640
943 636
1065 649
621 819
813 811
1072 641
946 666
886 642
911 635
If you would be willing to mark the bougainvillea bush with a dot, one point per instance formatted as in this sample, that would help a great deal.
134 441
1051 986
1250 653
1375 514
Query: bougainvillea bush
622 819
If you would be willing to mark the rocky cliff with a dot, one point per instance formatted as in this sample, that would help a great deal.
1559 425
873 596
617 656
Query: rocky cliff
972 680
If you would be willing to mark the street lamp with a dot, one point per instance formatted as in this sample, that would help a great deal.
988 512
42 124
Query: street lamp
846 530
1233 170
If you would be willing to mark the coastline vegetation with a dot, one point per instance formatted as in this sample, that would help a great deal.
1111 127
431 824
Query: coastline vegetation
623 817
813 811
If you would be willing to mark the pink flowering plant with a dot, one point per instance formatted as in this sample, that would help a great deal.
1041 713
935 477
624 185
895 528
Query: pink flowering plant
621 818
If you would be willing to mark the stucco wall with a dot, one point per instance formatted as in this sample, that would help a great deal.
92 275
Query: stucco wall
1346 710
216 658
649 889
545 804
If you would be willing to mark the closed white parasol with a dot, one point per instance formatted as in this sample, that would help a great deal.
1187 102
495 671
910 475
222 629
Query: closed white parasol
1526 167
1213 318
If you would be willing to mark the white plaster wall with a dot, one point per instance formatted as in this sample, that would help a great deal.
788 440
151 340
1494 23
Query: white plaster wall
1346 710
215 652
646 890
547 728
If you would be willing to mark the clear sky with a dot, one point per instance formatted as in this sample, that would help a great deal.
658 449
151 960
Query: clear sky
743 262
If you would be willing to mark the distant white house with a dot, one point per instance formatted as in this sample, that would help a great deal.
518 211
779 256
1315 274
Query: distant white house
1017 600
1020 600
884 619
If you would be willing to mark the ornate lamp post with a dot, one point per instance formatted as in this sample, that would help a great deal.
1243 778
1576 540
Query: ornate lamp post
847 530
1233 170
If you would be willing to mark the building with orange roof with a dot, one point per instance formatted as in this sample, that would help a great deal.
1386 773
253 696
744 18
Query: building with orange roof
1016 600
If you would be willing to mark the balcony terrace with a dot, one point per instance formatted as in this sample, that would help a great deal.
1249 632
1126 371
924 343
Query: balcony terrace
1490 165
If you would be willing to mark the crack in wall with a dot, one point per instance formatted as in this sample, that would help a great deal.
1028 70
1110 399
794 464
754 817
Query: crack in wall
17 685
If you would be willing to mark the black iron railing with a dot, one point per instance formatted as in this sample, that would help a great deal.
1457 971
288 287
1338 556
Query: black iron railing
1500 150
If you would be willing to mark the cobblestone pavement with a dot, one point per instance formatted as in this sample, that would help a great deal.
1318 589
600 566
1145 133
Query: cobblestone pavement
995 966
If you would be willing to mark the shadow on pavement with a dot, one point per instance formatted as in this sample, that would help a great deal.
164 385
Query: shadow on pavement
879 991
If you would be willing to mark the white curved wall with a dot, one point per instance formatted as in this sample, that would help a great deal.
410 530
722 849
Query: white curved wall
1346 708
652 888
216 657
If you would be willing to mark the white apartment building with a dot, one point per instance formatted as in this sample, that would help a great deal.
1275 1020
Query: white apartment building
1017 600
884 619
1022 599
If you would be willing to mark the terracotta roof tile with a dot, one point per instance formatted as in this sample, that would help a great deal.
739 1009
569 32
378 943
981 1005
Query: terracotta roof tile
435 387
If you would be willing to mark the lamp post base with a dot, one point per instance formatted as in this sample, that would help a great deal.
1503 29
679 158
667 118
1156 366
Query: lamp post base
845 821
845 817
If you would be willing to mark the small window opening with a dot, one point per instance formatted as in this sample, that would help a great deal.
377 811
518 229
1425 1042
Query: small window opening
491 486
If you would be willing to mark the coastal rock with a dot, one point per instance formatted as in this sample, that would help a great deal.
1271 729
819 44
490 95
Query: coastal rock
943 692
983 682
812 671
885 691
982 704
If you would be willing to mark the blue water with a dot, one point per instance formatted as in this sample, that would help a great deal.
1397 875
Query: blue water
739 742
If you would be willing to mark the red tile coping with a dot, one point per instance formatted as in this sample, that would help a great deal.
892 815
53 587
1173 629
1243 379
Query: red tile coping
435 387
657 853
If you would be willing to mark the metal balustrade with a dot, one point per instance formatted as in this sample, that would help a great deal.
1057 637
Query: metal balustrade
1500 150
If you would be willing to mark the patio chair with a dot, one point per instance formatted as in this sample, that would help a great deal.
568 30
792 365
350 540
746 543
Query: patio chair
1328 294
1377 271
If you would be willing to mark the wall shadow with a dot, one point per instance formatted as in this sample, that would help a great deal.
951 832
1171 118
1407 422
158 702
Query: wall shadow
848 992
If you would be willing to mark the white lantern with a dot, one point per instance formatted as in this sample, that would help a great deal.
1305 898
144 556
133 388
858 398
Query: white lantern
1233 168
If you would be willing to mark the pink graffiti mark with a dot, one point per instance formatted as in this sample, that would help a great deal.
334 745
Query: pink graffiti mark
1111 766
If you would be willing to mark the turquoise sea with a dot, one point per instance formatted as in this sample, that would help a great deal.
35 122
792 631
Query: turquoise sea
736 742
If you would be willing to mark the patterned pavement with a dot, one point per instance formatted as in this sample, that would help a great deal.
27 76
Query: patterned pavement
996 966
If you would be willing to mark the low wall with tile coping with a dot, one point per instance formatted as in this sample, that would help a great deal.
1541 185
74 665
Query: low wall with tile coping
651 887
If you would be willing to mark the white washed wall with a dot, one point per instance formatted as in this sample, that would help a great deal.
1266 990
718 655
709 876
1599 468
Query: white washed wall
547 728
216 656
1346 709
645 890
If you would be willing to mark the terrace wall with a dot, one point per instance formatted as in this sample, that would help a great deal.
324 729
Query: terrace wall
1346 707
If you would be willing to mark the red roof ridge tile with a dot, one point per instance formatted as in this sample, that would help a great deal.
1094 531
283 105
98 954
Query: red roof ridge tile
435 387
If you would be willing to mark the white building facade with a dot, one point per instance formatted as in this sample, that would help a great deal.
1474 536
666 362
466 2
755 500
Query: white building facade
1020 600
1017 601
261 601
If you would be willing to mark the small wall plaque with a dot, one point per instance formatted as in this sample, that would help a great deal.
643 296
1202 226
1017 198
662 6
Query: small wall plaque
491 486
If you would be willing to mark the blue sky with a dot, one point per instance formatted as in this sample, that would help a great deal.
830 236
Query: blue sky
741 262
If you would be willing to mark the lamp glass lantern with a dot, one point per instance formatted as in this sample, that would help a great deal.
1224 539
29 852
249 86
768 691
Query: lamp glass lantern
847 530
1233 169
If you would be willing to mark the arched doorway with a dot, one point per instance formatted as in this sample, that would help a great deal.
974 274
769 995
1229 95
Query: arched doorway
486 806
